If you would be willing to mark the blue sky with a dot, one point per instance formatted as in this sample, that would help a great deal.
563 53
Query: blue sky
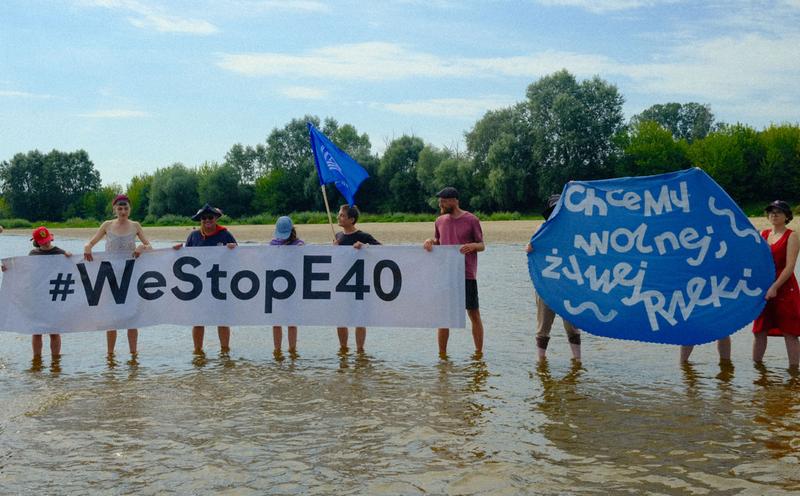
141 84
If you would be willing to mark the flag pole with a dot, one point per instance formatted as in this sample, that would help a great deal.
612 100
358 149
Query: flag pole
328 209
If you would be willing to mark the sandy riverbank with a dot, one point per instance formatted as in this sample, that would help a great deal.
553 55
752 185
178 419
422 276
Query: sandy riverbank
504 232
387 232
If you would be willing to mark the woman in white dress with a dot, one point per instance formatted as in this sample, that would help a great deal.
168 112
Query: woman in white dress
120 234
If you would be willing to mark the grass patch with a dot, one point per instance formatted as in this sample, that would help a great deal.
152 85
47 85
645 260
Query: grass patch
15 223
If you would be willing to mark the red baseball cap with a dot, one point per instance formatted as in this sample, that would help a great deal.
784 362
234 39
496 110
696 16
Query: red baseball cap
41 235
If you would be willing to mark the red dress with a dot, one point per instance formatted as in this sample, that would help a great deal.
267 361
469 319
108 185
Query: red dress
781 315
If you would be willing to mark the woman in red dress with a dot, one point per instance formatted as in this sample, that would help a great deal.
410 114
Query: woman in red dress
781 316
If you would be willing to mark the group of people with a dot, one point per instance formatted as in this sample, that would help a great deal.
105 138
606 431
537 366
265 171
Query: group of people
455 226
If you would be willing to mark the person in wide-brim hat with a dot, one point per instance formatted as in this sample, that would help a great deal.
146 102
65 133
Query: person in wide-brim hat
207 209
209 234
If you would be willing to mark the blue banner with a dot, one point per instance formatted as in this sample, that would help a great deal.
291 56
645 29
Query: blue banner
664 259
335 166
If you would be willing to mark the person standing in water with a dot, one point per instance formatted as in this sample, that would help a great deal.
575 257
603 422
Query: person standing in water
120 234
285 235
350 236
42 240
209 234
781 315
545 316
458 227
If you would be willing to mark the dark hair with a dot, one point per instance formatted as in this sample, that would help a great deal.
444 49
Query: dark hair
781 206
35 244
352 212
292 237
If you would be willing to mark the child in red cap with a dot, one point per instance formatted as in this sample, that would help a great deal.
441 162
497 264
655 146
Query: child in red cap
43 245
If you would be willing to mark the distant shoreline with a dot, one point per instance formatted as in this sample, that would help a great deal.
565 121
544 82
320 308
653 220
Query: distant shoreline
499 231
496 231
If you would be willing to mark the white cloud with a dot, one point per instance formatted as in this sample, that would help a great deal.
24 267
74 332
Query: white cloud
115 114
777 18
602 6
370 61
722 68
448 107
22 94
725 68
255 6
376 61
153 17
304 93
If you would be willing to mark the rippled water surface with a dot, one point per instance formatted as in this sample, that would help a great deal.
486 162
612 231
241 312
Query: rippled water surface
399 420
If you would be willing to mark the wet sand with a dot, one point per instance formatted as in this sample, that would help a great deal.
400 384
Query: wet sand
502 232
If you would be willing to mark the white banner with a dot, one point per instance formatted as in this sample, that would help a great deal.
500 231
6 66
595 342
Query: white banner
377 286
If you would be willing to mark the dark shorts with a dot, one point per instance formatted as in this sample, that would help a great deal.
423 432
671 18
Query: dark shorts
471 286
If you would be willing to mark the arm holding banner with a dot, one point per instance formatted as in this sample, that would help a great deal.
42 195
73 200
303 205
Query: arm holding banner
472 247
145 245
101 232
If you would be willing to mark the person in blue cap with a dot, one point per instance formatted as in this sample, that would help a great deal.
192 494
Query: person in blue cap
285 235
210 234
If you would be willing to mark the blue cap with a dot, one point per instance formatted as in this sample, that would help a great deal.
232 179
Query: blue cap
283 228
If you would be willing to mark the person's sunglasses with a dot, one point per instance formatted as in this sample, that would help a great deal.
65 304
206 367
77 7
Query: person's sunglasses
208 217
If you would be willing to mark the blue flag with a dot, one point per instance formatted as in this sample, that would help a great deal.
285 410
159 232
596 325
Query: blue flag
335 166
663 259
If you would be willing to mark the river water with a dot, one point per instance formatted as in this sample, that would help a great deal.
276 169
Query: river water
629 420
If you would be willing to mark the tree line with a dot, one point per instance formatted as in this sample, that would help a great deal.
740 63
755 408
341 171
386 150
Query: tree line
515 158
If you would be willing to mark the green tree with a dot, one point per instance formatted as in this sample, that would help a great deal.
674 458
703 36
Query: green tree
689 121
779 174
732 156
572 126
398 175
38 186
650 149
509 126
95 204
174 191
437 168
248 162
288 150
139 194
5 210
508 182
428 163
220 185
278 193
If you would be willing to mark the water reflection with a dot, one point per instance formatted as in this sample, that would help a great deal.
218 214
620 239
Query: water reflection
199 359
725 376
55 366
36 364
777 401
397 421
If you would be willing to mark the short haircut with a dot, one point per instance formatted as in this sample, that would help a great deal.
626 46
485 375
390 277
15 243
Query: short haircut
351 211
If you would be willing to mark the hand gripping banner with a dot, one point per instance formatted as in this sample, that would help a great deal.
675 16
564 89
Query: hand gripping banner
378 286
664 259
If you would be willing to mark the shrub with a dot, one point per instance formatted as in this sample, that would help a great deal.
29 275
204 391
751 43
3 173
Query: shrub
258 220
174 220
15 223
